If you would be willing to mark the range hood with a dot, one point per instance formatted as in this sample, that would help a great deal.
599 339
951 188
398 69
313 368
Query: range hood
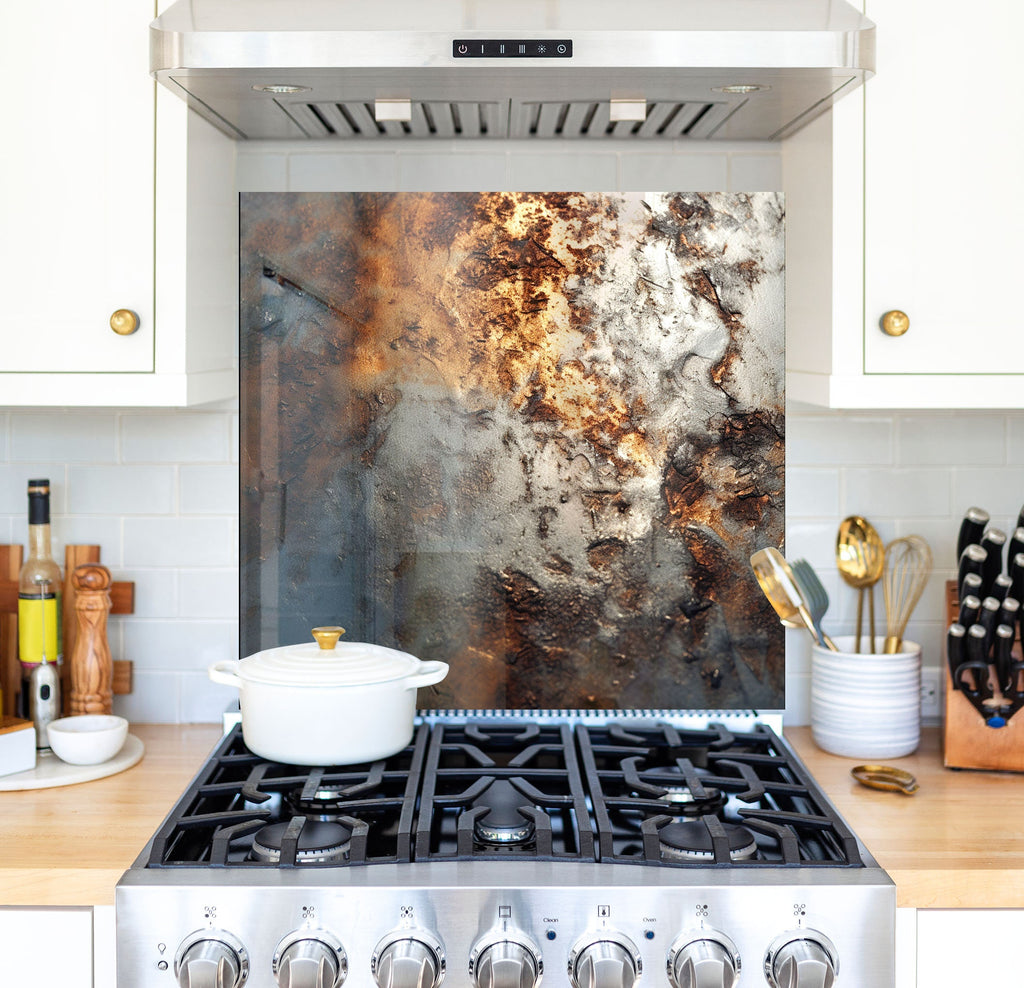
499 69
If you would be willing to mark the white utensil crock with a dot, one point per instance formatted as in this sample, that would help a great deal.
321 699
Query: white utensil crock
306 705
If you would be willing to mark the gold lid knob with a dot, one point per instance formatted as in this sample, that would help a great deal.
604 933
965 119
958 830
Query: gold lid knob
327 637
124 322
895 323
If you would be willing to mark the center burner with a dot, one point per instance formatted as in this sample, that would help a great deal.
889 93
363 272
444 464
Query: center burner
628 791
315 842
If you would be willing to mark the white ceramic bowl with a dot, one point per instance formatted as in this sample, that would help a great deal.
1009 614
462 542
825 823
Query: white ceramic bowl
88 739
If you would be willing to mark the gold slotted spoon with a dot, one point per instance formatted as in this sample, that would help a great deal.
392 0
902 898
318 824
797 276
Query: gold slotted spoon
860 559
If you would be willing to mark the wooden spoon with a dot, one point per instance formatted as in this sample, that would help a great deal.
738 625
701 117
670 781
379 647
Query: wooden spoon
860 559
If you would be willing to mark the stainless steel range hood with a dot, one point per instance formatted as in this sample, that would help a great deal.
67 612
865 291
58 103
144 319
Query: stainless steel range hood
496 69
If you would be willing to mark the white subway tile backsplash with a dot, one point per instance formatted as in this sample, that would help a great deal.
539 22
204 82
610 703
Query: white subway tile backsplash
121 489
14 478
343 172
101 530
156 592
155 698
926 439
173 437
209 490
81 437
1015 439
452 172
813 540
178 542
811 493
209 593
179 645
897 493
999 490
647 171
813 440
203 701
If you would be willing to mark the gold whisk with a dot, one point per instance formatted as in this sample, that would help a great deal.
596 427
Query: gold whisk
908 564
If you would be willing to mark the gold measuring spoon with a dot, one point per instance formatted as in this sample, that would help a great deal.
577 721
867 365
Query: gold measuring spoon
776 580
860 559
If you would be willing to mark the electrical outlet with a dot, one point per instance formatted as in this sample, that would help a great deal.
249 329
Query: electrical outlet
931 694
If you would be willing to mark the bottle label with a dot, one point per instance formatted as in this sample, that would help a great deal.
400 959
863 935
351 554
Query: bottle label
39 629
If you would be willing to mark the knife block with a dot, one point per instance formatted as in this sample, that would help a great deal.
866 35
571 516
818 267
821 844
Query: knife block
967 741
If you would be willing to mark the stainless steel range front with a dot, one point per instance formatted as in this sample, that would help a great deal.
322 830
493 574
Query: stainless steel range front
500 850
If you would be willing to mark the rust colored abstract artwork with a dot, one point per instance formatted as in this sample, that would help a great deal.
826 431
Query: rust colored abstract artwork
535 435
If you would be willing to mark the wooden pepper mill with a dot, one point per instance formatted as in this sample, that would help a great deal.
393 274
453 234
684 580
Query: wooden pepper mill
92 670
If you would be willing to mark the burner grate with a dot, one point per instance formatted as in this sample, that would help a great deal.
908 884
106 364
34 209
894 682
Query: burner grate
631 792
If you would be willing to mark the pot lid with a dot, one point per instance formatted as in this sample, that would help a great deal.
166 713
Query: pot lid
328 662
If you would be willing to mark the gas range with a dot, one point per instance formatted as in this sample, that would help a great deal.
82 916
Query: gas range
500 849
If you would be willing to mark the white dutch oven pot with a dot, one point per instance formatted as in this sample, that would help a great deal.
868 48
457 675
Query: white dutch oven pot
327 703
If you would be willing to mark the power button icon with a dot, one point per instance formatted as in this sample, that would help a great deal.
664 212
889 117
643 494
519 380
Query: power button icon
463 49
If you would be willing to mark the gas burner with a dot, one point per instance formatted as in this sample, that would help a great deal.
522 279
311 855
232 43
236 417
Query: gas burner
682 801
691 841
326 803
502 824
318 843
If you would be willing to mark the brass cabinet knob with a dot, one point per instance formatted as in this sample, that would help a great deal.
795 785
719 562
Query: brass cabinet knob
895 323
124 322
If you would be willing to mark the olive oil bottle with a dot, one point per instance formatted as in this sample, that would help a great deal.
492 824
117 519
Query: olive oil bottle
39 594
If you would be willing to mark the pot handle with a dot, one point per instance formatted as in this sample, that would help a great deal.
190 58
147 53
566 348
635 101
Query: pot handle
224 673
430 673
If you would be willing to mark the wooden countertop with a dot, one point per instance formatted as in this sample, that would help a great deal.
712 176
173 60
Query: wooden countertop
958 843
69 846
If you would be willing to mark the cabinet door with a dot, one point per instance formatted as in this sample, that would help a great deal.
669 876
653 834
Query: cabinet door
43 946
944 153
77 190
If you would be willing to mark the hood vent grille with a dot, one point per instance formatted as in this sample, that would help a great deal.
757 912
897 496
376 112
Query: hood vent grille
354 119
575 119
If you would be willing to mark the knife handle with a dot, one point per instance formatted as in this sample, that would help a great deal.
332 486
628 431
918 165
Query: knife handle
1001 587
971 528
1017 576
1020 518
972 560
977 661
988 618
993 542
1009 612
969 608
1016 545
1002 660
955 650
970 587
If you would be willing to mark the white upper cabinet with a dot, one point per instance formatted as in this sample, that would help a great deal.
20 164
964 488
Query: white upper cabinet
903 200
98 219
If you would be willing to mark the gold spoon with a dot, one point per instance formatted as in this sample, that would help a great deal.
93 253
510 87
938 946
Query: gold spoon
860 559
776 580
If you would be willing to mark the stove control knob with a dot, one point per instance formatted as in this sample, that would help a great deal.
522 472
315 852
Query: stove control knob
211 959
505 961
310 959
607 960
408 959
801 959
705 960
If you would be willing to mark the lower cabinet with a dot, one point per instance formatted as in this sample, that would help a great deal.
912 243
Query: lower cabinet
48 947
969 947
